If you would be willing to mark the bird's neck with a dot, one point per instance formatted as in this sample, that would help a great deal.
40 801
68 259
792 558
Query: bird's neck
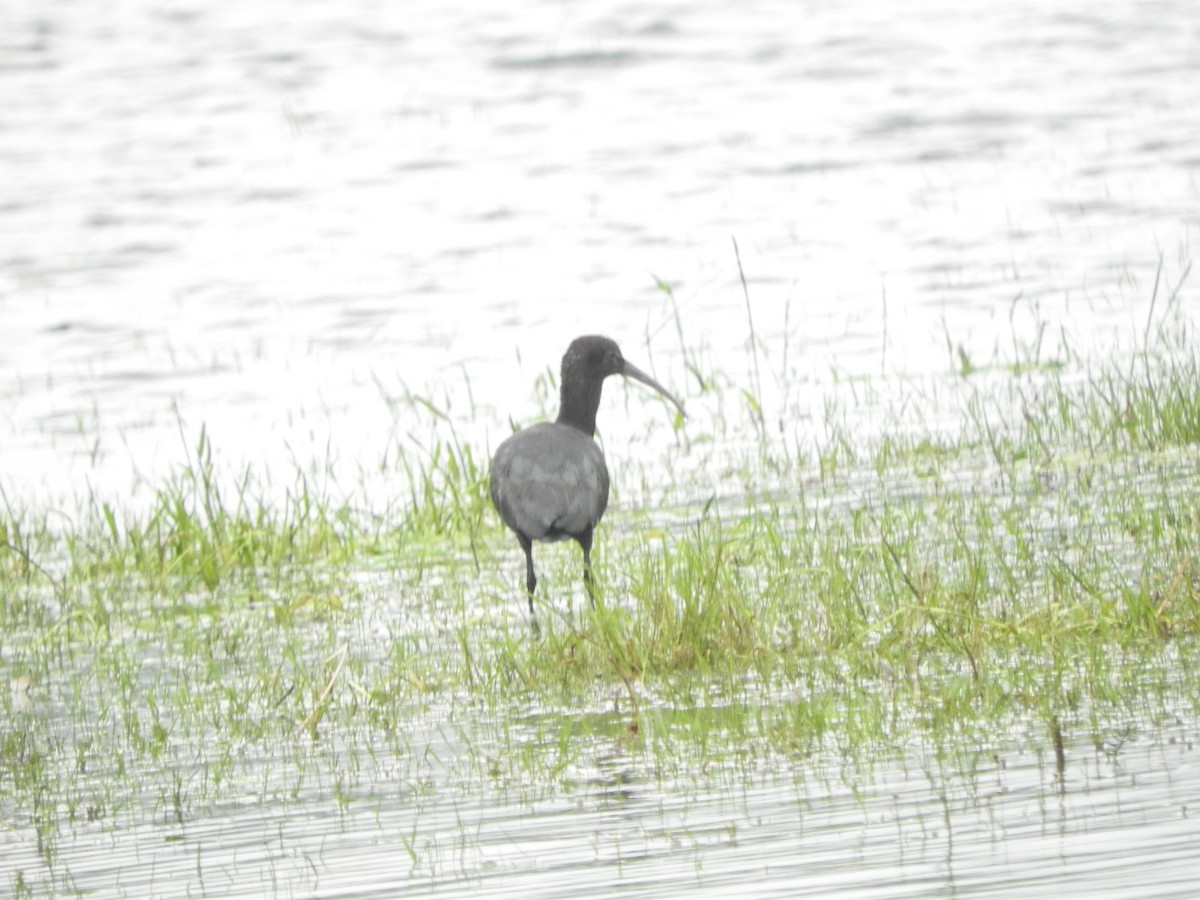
578 405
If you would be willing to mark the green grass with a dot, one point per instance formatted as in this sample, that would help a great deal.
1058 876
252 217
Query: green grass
1027 567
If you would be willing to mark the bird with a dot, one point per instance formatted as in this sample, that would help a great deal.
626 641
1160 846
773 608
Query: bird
549 481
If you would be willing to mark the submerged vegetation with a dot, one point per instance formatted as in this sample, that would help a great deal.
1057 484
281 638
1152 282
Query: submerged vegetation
1031 570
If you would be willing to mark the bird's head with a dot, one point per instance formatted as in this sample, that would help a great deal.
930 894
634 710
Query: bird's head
592 358
587 362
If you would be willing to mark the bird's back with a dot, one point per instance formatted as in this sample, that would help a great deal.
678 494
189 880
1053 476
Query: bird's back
549 482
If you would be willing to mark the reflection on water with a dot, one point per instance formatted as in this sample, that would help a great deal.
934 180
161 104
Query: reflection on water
926 822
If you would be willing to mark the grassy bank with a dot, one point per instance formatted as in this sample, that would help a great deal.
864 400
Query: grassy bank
1029 570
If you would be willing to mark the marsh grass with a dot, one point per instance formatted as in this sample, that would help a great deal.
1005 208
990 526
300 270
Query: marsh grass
1029 571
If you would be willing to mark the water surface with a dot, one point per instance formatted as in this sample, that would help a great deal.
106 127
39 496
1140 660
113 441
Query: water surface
276 220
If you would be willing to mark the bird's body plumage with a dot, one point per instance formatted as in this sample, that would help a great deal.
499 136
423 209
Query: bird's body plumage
550 482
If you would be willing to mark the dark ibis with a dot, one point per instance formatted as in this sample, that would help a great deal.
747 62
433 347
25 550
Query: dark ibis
549 481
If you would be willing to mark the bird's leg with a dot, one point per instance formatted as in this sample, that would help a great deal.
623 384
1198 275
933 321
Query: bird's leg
530 578
585 541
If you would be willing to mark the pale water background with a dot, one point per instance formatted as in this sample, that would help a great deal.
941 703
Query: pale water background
275 219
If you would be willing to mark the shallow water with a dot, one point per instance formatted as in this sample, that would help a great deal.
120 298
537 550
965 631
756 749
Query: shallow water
997 821
275 220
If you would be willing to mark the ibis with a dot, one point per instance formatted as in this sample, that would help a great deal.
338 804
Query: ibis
549 481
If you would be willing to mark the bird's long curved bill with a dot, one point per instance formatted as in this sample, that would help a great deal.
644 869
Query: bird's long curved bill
632 371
